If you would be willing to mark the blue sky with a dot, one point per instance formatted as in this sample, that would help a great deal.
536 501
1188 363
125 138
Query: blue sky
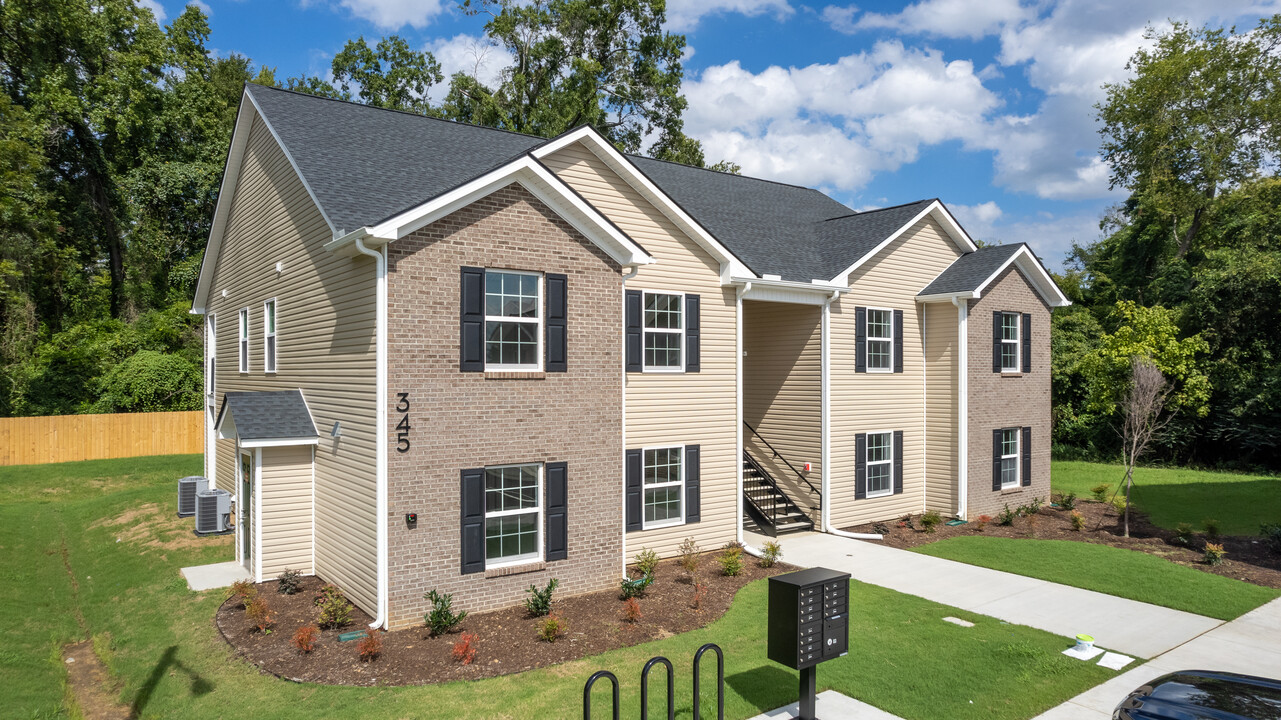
987 104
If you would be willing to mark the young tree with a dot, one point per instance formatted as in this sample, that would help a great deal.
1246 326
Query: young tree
1142 406
1200 115
390 75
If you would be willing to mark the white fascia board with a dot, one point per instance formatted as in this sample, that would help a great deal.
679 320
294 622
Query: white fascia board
617 162
1037 275
939 213
529 174
279 442
947 297
787 291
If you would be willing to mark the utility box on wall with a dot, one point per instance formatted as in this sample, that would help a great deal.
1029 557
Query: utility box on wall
808 617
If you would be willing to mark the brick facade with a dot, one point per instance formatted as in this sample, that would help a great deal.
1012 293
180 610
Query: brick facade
999 400
470 419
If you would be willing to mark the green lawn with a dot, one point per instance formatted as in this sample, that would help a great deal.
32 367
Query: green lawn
1115 571
1240 502
167 659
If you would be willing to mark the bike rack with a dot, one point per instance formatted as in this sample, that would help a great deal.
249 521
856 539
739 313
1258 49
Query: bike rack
587 692
720 680
671 697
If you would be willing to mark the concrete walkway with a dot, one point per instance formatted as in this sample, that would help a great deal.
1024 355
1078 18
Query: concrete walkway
217 575
830 705
1126 626
1250 645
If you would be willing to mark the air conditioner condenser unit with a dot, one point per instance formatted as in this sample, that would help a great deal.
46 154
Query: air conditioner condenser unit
187 489
213 512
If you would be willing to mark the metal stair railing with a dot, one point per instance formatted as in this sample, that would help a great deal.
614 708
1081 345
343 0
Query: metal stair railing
799 475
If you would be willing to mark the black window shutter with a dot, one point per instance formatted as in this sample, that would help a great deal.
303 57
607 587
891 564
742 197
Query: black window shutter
557 505
860 466
996 341
632 315
860 339
898 341
633 503
996 460
1027 342
557 323
471 338
1027 456
693 501
473 520
898 461
692 330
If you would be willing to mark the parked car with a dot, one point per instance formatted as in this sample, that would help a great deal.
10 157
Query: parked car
1203 695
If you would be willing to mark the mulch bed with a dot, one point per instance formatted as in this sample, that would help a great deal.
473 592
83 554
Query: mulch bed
1248 558
506 640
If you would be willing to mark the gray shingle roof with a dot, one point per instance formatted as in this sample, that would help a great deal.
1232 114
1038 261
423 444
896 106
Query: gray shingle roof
366 164
268 415
970 270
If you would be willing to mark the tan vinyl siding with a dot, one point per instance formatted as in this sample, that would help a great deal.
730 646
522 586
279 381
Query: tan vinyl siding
874 402
285 493
325 311
782 391
940 407
666 409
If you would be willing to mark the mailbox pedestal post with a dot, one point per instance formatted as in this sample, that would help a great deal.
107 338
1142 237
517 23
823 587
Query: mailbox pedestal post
808 623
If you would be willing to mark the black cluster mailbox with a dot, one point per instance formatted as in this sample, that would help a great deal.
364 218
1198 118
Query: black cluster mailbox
809 622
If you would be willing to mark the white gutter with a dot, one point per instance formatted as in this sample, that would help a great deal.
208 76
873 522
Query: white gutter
380 262
738 415
825 415
623 366
962 406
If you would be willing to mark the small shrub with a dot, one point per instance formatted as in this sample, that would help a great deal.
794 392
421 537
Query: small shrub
305 638
260 614
244 590
731 560
1006 516
539 602
1068 501
552 628
906 522
700 593
930 520
981 522
465 649
770 553
1078 521
1183 534
634 588
289 582
370 646
880 528
335 611
1118 504
1035 506
1100 492
1271 533
1213 531
1214 554
646 561
442 618
691 555
631 610
1031 524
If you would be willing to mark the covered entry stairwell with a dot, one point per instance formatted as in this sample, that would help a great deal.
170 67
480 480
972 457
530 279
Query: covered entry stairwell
767 509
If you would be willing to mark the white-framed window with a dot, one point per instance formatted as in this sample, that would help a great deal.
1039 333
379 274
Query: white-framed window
880 464
880 340
1009 458
243 343
211 355
1010 345
663 485
513 320
269 335
664 328
513 514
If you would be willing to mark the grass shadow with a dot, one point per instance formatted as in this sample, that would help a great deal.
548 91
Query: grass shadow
199 685
764 685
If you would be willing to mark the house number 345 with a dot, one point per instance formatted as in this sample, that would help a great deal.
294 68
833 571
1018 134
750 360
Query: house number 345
402 427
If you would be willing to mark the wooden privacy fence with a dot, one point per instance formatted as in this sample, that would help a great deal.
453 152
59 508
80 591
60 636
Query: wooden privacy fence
64 438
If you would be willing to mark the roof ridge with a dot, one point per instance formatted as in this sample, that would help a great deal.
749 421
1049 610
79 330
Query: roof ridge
736 175
455 123
876 210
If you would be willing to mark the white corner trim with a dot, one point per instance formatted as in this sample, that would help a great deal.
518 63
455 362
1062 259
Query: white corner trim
257 492
630 174
962 408
940 214
380 443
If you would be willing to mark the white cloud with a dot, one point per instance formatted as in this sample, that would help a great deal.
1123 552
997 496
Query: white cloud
684 15
473 55
841 18
156 9
949 18
393 14
983 214
836 125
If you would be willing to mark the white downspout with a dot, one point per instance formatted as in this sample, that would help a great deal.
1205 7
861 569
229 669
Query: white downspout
623 366
825 415
380 262
962 407
738 418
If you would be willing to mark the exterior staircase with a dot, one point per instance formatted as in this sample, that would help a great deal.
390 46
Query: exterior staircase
766 506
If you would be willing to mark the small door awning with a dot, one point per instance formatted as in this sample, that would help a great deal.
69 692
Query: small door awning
266 419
